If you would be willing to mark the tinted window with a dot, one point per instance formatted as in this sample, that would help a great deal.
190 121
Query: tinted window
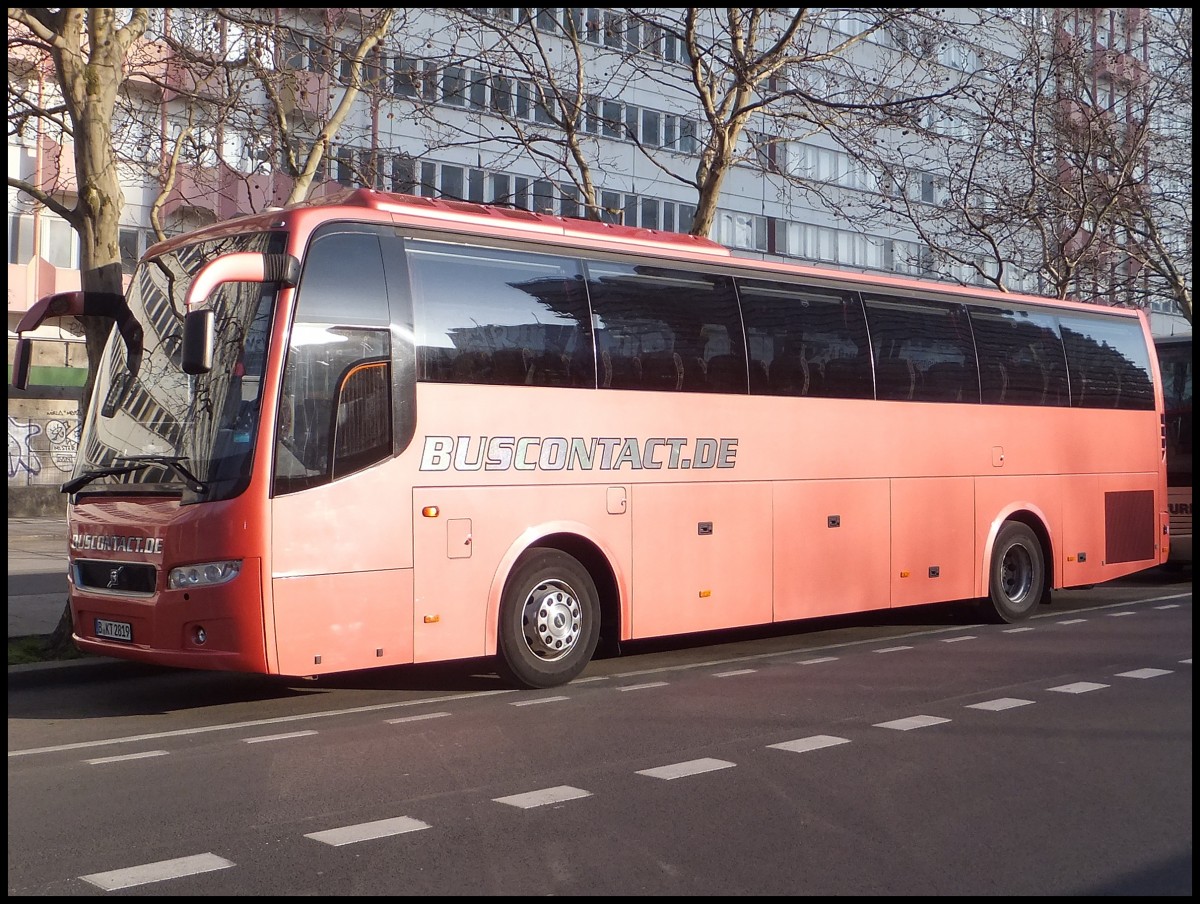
363 424
483 315
327 417
923 351
343 281
805 341
659 328
1175 363
1108 362
1020 357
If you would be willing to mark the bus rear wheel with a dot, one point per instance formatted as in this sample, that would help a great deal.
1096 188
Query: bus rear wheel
549 620
1018 574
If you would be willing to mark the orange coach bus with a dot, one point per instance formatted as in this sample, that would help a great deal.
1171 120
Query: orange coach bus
386 429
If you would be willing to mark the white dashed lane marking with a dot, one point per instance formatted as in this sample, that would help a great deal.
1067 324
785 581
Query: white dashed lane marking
278 737
1144 673
1019 630
127 756
912 722
192 865
1000 704
420 718
157 872
1079 687
546 796
539 700
368 831
804 745
692 767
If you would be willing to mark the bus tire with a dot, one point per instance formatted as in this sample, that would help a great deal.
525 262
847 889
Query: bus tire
1018 574
549 620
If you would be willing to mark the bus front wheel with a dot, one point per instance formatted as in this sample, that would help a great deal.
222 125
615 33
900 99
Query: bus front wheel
549 620
1018 574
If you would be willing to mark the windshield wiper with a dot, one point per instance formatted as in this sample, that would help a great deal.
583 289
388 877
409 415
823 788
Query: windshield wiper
87 477
175 463
136 463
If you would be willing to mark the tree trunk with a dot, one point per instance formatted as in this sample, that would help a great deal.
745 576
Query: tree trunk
59 644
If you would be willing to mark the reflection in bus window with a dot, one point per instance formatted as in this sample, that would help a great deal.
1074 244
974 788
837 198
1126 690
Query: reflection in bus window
924 351
342 320
313 396
1107 361
667 329
494 316
1020 357
805 341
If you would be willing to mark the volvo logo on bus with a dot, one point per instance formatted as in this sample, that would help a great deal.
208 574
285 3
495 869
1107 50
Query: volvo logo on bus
114 578
106 543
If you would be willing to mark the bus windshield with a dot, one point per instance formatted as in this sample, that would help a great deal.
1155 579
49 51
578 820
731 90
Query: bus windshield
162 430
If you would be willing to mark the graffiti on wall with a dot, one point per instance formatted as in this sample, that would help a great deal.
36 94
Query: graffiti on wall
41 449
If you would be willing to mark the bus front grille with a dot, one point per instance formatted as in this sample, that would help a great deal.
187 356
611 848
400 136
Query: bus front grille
118 577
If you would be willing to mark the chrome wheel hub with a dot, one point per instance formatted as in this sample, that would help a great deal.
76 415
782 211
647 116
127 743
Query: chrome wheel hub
1016 574
552 620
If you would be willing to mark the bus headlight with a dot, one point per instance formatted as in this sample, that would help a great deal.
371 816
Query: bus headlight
203 574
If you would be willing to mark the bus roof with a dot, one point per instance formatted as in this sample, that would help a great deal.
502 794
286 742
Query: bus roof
486 218
516 223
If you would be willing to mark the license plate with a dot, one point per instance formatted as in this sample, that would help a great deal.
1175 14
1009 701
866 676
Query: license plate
114 630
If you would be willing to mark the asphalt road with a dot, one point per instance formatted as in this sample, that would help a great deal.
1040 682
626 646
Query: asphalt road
916 752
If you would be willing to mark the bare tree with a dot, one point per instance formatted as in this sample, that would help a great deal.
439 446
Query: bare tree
532 93
251 105
1037 176
1157 213
551 82
350 61
85 52
763 79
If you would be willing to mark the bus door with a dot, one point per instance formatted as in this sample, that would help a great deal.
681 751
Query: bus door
341 550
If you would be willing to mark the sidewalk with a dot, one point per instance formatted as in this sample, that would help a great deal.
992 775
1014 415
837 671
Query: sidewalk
37 574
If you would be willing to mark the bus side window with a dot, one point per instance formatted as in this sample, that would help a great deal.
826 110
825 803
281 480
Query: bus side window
923 350
1108 363
806 340
363 420
661 328
326 429
491 315
1020 357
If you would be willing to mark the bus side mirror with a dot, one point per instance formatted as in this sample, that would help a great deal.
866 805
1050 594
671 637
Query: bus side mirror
198 339
199 325
21 359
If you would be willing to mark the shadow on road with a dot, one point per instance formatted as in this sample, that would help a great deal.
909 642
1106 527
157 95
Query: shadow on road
100 688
